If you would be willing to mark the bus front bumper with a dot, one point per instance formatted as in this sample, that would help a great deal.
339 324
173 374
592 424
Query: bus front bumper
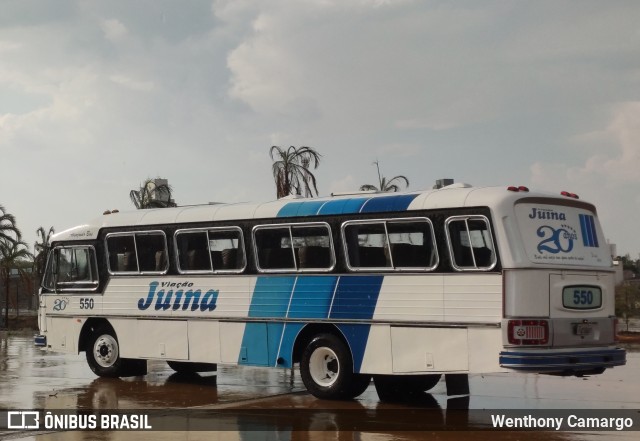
573 362
40 340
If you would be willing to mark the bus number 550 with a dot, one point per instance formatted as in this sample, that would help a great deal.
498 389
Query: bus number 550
582 297
86 303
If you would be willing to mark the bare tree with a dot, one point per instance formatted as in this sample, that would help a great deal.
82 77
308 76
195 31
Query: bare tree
384 184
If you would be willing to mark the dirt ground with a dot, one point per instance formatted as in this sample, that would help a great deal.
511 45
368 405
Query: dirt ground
629 337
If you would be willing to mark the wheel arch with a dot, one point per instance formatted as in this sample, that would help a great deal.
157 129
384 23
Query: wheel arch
309 331
89 327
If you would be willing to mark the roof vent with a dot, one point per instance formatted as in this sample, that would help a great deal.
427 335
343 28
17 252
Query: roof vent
442 183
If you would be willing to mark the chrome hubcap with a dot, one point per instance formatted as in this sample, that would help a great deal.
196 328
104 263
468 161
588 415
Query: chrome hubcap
105 350
324 366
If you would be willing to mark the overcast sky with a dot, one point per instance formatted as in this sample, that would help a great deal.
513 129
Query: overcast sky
96 96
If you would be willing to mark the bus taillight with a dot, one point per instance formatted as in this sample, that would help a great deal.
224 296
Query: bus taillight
528 332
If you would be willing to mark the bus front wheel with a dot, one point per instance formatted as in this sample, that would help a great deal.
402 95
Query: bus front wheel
326 369
103 353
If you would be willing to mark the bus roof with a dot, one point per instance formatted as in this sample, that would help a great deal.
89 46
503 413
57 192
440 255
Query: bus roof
452 196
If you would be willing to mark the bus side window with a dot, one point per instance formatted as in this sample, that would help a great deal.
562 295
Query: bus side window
470 243
122 253
193 251
294 247
213 250
412 244
312 246
275 251
391 244
227 249
149 245
367 245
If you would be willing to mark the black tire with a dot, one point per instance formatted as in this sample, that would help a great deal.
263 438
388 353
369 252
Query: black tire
402 388
103 353
359 384
326 369
185 367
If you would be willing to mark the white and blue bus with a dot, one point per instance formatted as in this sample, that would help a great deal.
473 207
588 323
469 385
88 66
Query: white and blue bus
401 288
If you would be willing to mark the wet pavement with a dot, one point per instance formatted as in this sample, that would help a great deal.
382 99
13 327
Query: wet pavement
33 379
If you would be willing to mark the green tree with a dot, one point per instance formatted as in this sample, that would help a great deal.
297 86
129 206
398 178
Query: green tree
41 250
9 232
13 255
291 170
384 184
627 301
153 193
628 263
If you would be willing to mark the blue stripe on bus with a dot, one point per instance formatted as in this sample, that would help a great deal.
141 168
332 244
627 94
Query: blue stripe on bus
308 208
347 206
271 296
356 297
583 230
357 336
306 297
312 297
594 234
333 207
290 209
588 230
389 203
291 331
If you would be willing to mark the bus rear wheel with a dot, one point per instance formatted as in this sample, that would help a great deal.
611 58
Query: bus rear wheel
103 353
394 388
326 369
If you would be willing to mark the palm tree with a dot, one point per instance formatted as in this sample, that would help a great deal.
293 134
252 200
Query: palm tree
41 250
291 170
386 185
153 193
9 232
12 256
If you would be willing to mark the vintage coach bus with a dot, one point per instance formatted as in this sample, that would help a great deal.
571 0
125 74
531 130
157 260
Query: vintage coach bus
401 288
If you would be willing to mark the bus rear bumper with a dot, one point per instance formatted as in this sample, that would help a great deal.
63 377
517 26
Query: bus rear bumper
563 362
40 340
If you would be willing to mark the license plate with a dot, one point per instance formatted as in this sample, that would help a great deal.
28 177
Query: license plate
583 329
